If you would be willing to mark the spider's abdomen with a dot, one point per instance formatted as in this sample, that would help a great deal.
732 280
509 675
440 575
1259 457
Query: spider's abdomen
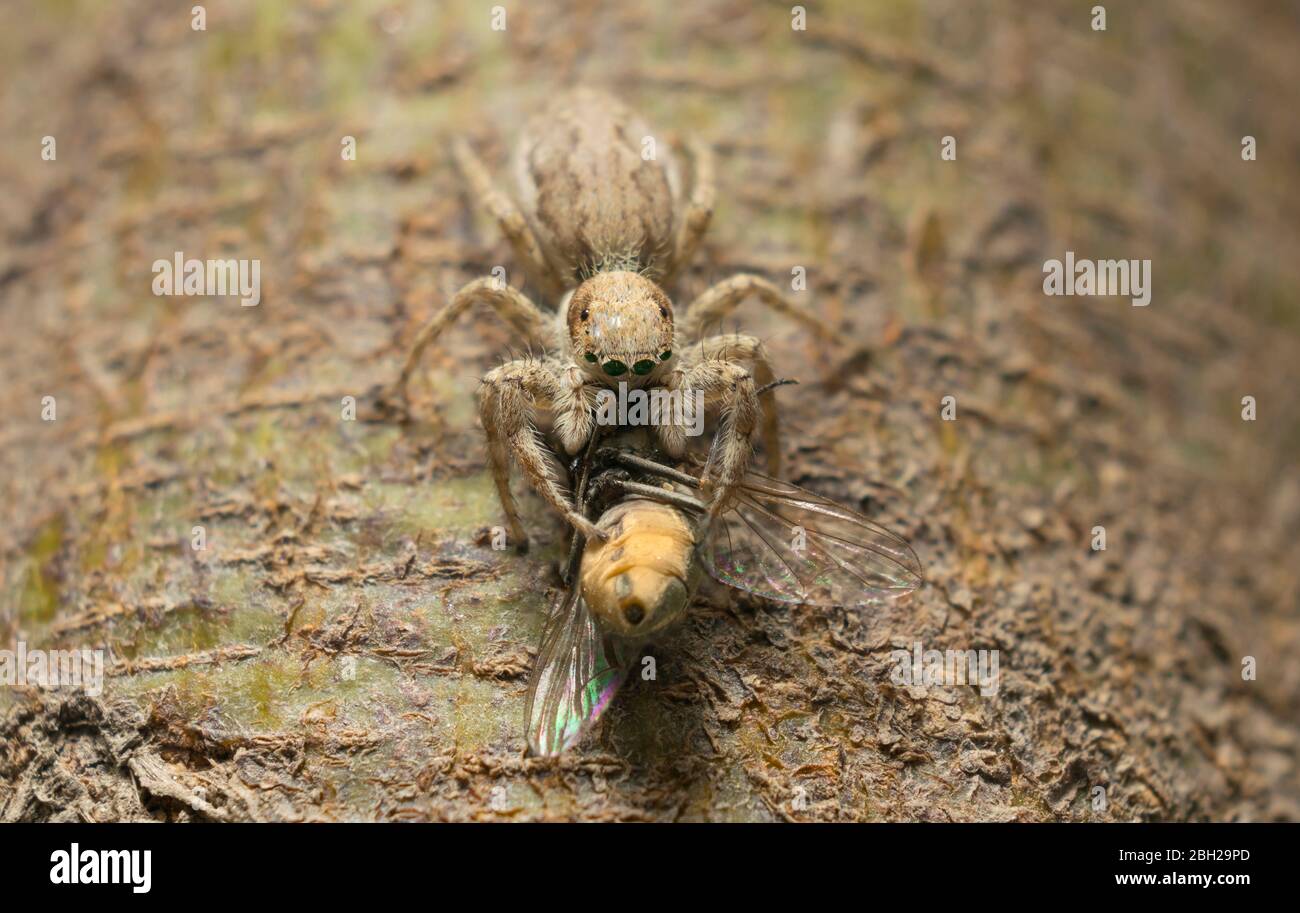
597 186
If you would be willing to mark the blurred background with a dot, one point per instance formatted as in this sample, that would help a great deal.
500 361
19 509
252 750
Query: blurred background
346 646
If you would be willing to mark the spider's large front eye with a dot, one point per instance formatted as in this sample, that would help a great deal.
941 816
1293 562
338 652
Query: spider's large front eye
614 368
645 366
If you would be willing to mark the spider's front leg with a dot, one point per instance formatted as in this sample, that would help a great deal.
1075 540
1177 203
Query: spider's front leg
510 395
731 385
749 350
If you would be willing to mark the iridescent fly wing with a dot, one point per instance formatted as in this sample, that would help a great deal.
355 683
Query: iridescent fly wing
787 544
573 680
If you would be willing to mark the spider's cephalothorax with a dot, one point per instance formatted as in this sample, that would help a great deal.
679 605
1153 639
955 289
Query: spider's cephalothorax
620 329
605 226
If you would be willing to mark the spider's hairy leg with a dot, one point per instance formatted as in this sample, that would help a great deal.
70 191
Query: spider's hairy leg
499 461
731 385
510 394
699 210
513 305
719 300
507 215
742 349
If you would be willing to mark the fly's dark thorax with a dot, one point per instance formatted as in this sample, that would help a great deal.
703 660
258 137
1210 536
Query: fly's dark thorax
597 186
638 440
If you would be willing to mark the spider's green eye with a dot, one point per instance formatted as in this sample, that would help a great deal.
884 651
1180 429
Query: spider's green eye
591 357
665 356
643 367
614 368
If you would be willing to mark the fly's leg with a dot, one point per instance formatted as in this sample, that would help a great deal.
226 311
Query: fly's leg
699 210
510 393
749 350
716 302
513 224
635 461
662 495
513 305
584 493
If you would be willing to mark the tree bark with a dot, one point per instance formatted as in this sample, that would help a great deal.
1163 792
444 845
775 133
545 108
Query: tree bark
346 645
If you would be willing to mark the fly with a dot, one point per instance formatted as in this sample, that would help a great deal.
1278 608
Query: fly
775 540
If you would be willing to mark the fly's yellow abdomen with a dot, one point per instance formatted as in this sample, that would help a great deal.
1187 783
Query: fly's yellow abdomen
641 579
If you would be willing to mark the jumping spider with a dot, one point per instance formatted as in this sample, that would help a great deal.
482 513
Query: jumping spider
602 229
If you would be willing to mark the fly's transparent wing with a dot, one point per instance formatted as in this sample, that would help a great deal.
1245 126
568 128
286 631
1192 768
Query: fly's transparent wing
573 680
787 544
